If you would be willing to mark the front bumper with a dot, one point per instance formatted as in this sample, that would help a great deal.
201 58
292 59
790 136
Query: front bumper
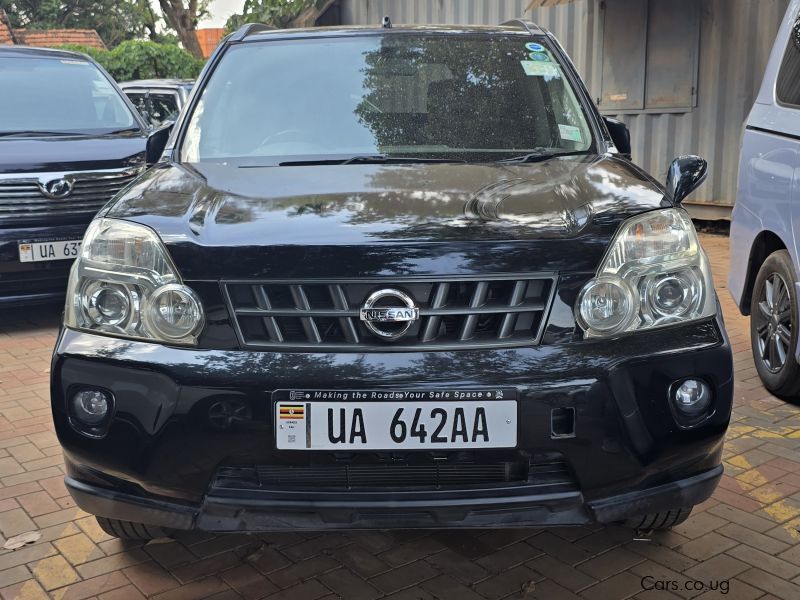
163 452
219 513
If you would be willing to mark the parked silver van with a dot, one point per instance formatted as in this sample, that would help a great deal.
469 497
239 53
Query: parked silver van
765 270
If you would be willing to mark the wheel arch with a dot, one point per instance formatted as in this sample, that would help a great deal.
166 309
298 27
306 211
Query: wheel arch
764 244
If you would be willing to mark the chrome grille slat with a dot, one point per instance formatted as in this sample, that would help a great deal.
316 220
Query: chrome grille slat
511 316
345 322
269 322
478 300
434 319
456 312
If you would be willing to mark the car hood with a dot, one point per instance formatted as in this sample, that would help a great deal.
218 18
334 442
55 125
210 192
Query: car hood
64 154
226 221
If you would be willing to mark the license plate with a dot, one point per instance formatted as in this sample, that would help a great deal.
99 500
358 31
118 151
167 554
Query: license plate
394 420
39 251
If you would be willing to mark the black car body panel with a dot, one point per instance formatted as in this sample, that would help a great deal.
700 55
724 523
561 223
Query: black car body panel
231 222
68 154
27 215
191 441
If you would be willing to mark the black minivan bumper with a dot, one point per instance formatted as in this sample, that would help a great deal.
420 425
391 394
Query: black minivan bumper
34 282
160 460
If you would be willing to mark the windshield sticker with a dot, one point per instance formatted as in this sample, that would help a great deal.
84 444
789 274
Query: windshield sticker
540 56
534 47
534 68
570 132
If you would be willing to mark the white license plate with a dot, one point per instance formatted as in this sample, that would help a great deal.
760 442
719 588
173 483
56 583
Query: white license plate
40 251
371 420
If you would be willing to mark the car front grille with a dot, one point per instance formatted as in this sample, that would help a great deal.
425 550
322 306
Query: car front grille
21 196
387 476
454 312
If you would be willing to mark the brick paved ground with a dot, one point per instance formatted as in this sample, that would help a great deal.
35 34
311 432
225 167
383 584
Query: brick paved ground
747 533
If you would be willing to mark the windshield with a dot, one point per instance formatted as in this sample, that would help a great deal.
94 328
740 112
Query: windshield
59 95
465 97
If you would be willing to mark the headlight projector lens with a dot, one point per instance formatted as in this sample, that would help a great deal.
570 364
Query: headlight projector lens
668 294
107 304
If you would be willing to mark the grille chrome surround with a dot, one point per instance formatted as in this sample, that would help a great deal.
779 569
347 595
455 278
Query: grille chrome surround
21 195
456 312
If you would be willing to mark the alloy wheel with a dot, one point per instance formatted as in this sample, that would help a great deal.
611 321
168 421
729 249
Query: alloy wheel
774 323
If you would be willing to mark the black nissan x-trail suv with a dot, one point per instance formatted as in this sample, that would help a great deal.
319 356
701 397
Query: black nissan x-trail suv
392 277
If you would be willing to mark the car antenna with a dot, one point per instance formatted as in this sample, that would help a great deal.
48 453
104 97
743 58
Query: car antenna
387 22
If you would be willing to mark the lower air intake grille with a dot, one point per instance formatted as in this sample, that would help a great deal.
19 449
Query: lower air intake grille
391 476
455 313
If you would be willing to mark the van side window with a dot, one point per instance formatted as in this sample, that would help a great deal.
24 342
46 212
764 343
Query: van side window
788 87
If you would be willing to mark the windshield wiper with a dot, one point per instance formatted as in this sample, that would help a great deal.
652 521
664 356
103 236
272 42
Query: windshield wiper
30 133
125 130
377 159
542 155
382 158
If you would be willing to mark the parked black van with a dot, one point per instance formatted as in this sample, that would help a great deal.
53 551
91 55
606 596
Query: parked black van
69 141
392 277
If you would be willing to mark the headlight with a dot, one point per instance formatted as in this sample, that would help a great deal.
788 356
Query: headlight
654 274
124 283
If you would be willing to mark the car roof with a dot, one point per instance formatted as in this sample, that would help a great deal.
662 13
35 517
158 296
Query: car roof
160 83
29 52
256 32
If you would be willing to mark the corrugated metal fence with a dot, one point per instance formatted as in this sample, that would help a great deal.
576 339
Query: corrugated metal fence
735 40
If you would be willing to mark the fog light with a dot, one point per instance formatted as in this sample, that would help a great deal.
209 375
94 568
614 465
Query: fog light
692 397
91 406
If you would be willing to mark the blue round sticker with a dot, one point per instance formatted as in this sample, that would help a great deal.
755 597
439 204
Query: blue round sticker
540 56
534 47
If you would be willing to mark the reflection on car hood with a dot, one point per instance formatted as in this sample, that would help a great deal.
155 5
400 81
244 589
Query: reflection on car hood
226 205
62 154
217 206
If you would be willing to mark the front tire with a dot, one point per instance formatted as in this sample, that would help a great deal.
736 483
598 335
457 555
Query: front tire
773 326
126 530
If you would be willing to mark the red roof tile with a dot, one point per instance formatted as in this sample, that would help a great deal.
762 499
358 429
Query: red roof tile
51 38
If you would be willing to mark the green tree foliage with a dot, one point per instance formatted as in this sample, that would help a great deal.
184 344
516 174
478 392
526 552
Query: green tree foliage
145 60
115 20
278 13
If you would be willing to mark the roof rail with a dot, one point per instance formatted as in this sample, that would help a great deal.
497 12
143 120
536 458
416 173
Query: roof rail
249 29
528 26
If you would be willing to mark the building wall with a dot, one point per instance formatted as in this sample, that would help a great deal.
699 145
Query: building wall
735 41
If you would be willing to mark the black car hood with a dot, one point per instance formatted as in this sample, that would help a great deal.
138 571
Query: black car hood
224 221
63 154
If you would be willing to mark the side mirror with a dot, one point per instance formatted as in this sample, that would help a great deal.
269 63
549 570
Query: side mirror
685 175
156 142
620 135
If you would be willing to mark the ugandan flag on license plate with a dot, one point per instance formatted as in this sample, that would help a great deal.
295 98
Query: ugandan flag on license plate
292 411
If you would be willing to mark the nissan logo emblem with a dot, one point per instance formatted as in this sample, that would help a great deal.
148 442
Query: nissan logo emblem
389 313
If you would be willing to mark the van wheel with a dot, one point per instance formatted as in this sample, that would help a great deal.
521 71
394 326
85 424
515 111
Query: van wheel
659 520
773 326
126 530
